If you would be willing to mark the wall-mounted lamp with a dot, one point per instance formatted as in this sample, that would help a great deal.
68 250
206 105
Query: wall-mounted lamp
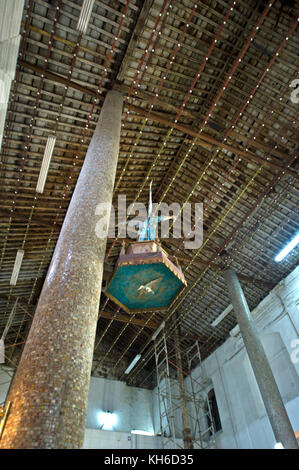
107 420
143 433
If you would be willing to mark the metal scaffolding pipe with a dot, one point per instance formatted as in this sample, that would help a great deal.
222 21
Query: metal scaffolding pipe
274 405
188 443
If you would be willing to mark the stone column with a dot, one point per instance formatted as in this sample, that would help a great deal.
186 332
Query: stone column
188 443
50 388
274 405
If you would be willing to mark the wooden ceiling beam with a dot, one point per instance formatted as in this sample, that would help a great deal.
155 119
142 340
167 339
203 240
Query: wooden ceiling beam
148 98
59 79
124 319
143 15
13 298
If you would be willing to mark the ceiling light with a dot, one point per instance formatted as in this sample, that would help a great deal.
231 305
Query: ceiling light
107 419
85 16
222 315
45 164
2 351
16 268
286 250
133 363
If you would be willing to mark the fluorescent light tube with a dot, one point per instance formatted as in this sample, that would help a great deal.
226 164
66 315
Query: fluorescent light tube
84 17
143 433
130 367
16 268
160 328
286 250
45 164
222 315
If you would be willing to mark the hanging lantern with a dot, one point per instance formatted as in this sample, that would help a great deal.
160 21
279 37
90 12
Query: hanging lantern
144 278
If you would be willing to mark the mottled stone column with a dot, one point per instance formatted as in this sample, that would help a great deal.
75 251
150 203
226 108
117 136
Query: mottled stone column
188 443
50 387
274 405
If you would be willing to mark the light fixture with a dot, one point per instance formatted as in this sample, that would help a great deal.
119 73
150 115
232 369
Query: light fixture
16 268
107 420
84 17
2 351
222 315
143 433
133 363
5 331
45 164
286 250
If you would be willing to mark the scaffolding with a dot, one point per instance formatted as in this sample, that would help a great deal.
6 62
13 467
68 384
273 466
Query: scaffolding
195 398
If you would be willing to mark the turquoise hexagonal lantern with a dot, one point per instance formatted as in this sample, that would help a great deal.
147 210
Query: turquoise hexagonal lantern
144 278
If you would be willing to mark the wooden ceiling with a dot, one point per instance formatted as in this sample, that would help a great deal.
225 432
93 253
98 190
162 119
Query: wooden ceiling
208 117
